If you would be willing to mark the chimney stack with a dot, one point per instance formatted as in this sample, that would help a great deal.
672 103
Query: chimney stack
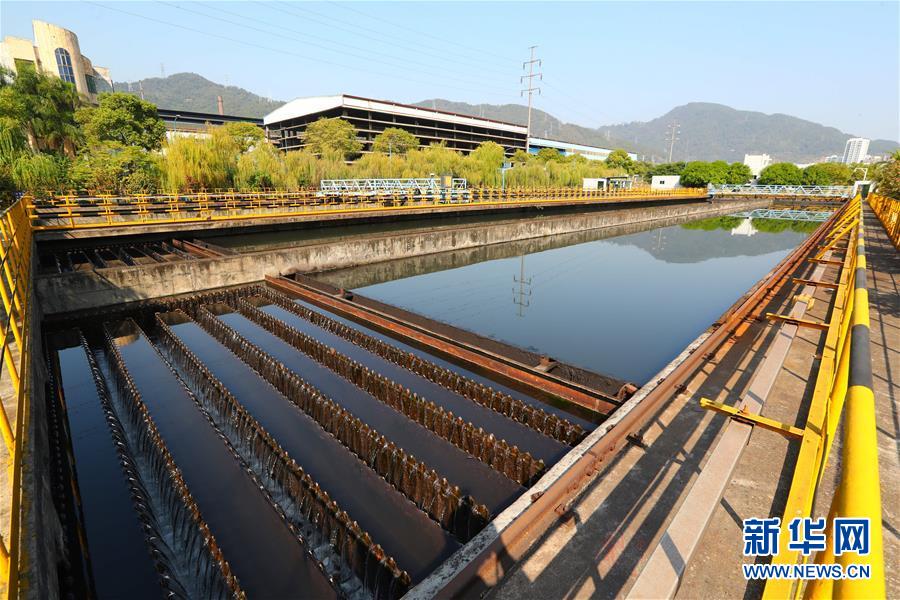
221 105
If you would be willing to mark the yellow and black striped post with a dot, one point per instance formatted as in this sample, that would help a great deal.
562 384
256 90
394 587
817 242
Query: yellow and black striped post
859 495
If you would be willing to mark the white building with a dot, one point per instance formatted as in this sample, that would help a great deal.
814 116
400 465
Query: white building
54 51
665 182
568 149
757 162
855 150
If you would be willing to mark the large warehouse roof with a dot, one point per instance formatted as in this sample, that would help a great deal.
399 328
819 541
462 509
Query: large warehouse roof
301 107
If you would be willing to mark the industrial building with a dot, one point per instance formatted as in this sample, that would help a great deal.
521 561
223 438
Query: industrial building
286 124
180 123
55 51
569 149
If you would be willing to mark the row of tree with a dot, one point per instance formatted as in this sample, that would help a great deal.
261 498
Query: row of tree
51 140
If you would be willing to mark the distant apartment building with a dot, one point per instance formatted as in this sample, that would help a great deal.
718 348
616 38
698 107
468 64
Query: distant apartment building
55 51
757 162
855 150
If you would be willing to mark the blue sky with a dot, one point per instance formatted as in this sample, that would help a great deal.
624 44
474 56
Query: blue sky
836 63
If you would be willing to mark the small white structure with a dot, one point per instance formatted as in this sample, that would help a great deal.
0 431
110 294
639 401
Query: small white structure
665 182
757 162
745 228
594 183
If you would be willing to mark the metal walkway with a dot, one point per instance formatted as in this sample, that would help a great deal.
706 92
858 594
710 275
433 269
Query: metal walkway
814 216
783 191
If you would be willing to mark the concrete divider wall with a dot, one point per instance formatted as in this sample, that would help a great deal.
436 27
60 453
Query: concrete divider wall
67 292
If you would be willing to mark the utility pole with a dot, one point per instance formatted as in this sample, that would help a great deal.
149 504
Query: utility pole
522 293
672 136
530 89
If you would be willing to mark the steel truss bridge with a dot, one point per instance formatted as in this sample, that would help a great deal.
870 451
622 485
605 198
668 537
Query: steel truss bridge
782 191
431 187
814 216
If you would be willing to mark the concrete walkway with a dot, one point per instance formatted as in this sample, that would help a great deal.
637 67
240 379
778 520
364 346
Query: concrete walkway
618 520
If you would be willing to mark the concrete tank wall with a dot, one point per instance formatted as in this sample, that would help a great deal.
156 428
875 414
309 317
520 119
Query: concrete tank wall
102 287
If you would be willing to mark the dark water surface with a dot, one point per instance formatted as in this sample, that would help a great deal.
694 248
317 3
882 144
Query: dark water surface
121 565
623 306
474 477
379 508
267 558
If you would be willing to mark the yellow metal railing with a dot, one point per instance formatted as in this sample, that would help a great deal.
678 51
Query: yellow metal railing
843 388
72 211
15 370
888 211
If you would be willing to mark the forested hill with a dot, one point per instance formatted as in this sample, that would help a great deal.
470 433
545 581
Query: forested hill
707 132
191 92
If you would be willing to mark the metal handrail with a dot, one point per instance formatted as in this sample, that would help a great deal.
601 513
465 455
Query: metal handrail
15 290
843 383
888 212
76 212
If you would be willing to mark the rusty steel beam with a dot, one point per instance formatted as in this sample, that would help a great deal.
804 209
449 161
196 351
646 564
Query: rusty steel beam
482 563
196 250
469 355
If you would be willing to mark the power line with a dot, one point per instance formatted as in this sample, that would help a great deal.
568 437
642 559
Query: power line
377 37
519 298
343 51
472 49
530 89
672 131
270 49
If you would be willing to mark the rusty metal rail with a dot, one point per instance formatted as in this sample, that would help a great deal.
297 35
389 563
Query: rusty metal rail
534 417
543 384
376 571
482 562
147 442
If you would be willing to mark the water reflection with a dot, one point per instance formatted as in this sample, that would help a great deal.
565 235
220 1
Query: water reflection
623 306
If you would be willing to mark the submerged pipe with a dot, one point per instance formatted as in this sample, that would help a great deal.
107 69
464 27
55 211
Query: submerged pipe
378 572
460 515
518 465
189 535
534 417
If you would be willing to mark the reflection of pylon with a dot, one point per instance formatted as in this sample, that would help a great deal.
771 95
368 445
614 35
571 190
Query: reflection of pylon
524 291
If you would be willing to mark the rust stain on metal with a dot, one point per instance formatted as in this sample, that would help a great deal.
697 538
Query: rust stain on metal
510 543
467 354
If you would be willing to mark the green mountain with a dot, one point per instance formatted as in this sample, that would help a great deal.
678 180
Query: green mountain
191 92
706 132
543 124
